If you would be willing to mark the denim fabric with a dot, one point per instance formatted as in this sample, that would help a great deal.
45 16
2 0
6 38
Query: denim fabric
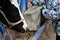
22 3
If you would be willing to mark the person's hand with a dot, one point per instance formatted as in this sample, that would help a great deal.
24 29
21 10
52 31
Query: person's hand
29 5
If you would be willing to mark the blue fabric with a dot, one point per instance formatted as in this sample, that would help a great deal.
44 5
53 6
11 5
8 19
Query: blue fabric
22 2
49 4
27 4
3 31
7 37
38 2
16 34
21 5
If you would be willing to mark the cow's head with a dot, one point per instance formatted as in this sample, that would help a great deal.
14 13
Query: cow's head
13 14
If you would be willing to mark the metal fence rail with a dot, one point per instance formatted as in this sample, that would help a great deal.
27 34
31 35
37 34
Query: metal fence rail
39 31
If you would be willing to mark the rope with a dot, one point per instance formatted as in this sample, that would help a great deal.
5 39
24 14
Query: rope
11 23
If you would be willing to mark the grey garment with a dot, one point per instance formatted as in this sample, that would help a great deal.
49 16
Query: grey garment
32 17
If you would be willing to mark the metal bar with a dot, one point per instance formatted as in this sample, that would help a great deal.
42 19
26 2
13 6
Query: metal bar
3 31
39 32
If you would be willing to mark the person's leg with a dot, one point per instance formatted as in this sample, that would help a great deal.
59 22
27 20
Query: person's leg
21 5
27 4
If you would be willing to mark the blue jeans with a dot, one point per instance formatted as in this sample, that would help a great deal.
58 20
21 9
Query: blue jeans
22 2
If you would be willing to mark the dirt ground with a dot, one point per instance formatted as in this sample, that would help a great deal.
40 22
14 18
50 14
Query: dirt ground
48 34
